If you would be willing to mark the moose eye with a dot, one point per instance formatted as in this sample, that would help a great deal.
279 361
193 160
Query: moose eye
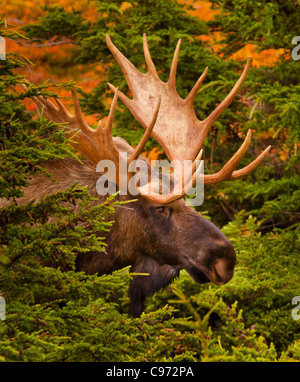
160 209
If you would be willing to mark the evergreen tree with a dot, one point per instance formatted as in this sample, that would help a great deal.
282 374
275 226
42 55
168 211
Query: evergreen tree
56 316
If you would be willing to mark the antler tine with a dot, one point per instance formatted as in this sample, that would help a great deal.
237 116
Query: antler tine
198 157
252 166
78 113
228 169
37 102
139 148
189 180
47 103
195 176
196 87
131 73
111 114
228 99
173 70
148 59
62 108
49 110
24 87
193 167
127 101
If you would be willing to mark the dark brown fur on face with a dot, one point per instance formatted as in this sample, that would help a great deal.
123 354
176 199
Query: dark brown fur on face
154 239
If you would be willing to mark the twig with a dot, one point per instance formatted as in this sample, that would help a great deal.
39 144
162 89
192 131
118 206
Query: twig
226 211
48 44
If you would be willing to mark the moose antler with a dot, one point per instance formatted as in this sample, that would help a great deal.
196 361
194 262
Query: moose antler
177 129
94 144
170 119
98 144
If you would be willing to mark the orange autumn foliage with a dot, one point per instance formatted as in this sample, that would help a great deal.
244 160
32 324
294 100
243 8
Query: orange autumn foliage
204 12
19 13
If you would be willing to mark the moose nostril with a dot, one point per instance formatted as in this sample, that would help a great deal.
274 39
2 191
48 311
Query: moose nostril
218 278
223 273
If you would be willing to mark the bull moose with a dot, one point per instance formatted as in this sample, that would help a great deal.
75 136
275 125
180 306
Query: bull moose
159 234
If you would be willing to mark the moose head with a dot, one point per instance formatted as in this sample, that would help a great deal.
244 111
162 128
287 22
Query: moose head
159 234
